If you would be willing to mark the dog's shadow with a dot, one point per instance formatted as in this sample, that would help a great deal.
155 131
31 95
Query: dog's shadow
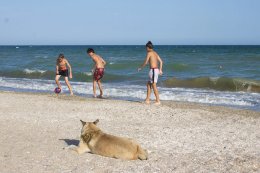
70 141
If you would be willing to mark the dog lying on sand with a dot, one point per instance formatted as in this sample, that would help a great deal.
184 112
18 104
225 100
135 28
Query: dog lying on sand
93 140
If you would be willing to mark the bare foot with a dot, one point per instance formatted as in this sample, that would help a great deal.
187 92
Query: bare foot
71 94
157 103
147 102
94 96
100 96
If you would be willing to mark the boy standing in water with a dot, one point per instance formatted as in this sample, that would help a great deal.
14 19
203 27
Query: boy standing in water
98 71
153 58
61 70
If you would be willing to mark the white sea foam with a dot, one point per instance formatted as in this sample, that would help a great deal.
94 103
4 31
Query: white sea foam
87 73
214 79
29 71
136 92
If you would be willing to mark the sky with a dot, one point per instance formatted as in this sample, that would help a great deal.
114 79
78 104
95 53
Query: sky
129 22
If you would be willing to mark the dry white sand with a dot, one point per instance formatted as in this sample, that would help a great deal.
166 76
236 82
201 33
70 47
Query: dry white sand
180 137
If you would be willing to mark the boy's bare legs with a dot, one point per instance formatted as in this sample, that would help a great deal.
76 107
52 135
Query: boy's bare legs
100 88
147 100
57 80
68 84
94 88
157 102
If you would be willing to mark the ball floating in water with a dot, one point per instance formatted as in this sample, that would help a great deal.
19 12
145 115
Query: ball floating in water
57 90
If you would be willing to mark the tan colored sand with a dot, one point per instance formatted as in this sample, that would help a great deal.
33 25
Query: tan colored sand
180 137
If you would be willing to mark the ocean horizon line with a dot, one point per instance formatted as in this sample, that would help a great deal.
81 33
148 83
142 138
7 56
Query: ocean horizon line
129 44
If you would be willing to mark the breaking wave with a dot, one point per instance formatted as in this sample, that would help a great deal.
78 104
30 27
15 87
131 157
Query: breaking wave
217 83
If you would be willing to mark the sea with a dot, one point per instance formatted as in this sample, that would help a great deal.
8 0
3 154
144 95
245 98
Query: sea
213 75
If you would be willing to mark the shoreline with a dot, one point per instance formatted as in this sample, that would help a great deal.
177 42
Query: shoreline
35 130
169 103
239 100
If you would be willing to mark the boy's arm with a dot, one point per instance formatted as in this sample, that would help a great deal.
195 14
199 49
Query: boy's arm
161 64
103 61
57 69
94 67
145 62
68 64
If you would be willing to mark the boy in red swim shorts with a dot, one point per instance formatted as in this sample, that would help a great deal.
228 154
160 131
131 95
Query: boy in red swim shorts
98 71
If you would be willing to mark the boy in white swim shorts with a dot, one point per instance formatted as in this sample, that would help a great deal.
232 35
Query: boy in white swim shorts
153 75
153 58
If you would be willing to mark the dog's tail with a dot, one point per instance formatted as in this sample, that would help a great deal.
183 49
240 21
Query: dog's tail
142 154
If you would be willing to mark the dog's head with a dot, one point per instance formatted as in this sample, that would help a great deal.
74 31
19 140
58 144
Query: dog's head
88 130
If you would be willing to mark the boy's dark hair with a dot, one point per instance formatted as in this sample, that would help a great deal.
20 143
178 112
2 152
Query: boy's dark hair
61 55
149 44
90 50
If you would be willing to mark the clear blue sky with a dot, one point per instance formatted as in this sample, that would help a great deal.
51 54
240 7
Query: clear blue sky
115 22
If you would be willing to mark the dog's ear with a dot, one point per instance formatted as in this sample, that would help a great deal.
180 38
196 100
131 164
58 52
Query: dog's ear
95 122
83 122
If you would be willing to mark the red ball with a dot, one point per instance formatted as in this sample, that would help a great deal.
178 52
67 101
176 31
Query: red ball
57 90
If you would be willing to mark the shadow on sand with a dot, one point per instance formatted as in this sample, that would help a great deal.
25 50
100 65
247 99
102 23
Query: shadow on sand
71 141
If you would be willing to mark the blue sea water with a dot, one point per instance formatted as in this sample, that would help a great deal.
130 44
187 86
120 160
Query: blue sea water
219 75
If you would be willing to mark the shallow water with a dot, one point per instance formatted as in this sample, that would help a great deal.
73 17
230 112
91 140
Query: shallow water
222 75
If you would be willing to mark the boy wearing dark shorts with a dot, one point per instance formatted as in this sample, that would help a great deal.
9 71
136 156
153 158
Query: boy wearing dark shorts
62 70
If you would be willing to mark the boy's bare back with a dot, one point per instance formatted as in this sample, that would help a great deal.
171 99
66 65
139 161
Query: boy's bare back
100 63
153 59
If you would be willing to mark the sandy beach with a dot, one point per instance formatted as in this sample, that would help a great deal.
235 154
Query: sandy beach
35 130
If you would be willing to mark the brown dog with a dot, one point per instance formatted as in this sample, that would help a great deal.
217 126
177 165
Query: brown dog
93 140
